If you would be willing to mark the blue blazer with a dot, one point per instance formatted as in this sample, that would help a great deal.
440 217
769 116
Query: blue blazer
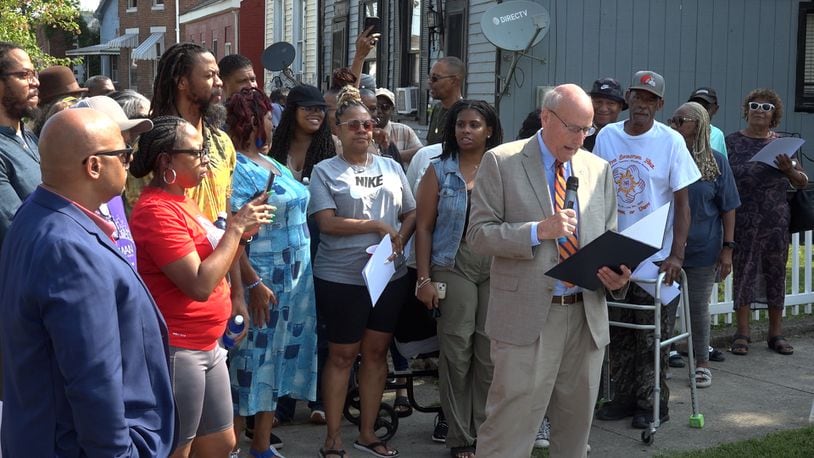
85 350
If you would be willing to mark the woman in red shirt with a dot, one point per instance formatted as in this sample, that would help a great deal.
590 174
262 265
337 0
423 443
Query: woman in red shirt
184 259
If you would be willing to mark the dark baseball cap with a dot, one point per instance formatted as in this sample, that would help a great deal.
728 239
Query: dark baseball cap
706 94
305 96
608 88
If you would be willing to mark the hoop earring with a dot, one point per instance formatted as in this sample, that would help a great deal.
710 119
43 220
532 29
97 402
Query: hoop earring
164 176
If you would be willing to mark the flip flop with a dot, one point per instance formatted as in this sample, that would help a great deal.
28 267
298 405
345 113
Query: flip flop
371 449
326 452
462 452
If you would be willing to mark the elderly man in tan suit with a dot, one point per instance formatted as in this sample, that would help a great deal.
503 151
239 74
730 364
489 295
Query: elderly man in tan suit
547 337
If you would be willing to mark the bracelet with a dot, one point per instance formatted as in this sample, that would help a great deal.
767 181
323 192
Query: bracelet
422 283
245 242
254 285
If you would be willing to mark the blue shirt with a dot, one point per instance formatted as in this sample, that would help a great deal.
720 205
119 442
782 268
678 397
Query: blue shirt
708 200
19 172
550 170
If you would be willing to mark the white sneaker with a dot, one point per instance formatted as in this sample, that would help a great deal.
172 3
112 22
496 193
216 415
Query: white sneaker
543 434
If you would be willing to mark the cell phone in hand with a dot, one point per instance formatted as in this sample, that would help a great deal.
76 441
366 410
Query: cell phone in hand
269 185
375 22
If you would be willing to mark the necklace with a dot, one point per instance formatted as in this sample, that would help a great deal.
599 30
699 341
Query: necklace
357 168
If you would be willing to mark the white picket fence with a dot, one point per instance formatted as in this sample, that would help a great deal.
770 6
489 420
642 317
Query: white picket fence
797 302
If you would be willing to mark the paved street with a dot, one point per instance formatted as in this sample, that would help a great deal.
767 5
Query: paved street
750 396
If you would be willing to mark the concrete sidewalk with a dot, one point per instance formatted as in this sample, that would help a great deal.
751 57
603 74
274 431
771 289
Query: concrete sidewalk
750 396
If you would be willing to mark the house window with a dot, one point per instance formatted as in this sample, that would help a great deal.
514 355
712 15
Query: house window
279 21
158 5
455 28
215 48
132 5
227 48
370 8
298 26
804 92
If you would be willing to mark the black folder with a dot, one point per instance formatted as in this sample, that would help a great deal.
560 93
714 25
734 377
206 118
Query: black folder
610 249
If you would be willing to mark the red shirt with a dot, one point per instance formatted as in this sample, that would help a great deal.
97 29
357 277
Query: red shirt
166 228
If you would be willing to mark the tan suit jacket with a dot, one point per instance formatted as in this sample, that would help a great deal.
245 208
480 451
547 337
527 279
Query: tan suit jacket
511 193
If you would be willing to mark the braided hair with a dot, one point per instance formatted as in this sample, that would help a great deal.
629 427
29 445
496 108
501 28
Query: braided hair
322 145
701 150
245 112
349 96
483 108
175 63
151 144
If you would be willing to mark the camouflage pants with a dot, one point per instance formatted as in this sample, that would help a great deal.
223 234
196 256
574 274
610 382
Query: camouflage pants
631 352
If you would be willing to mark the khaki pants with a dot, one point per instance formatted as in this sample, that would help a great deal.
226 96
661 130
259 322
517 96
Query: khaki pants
558 373
464 365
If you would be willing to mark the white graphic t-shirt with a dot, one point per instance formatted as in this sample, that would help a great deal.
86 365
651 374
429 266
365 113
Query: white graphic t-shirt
647 169
377 191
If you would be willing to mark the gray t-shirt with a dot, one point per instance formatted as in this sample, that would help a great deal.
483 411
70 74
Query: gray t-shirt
378 191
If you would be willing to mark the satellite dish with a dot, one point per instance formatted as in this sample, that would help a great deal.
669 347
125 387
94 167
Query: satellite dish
278 56
514 26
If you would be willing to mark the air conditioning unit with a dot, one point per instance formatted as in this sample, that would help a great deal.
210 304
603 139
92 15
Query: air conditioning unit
406 100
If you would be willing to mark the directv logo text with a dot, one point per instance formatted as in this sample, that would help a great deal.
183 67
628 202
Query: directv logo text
510 17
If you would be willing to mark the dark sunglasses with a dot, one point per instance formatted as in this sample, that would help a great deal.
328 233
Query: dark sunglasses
201 153
125 155
679 121
761 106
313 109
436 78
355 124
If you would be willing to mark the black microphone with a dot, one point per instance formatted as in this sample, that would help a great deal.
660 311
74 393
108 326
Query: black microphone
571 191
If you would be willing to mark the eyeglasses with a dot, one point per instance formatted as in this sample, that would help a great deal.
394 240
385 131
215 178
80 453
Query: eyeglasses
201 153
313 109
436 78
29 75
125 155
679 121
356 124
761 106
586 131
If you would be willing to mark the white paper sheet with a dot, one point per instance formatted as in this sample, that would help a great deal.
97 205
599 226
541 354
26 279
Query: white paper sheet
650 230
783 145
648 270
378 271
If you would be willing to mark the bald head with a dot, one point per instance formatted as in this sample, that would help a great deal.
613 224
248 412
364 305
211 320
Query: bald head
566 116
67 140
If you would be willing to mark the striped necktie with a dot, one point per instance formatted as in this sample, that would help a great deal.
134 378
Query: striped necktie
569 245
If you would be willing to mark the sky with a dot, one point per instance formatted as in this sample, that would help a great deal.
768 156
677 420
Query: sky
89 5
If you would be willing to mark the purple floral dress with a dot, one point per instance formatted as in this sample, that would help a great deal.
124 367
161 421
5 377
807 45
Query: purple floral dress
761 226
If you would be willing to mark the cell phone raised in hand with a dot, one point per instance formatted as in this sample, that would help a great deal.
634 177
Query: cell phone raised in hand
375 22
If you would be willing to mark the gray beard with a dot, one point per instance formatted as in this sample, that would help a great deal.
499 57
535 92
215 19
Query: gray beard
215 114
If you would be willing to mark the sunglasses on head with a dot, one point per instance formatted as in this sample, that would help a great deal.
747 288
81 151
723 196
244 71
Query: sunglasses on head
679 121
356 124
761 106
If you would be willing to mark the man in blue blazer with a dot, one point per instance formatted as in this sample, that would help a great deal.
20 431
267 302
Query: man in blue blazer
85 348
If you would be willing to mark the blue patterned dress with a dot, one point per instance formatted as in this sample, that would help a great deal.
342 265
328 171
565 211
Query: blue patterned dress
280 359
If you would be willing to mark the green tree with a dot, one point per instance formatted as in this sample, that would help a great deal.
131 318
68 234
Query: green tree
19 21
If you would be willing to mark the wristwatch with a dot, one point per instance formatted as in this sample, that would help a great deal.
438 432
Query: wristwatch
729 245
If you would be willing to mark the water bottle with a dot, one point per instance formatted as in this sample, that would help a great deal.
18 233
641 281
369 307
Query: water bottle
220 223
233 329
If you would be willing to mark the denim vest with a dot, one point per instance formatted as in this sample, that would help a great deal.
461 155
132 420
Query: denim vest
451 218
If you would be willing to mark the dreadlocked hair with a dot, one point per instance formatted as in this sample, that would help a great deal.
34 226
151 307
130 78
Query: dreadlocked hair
349 96
245 112
151 144
176 62
701 150
322 145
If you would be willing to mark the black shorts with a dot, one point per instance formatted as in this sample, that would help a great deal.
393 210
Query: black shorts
348 312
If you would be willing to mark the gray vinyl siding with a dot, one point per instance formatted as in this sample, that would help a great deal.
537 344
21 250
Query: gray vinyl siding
732 45
481 55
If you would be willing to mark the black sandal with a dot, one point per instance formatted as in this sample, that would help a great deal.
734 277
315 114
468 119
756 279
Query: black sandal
780 345
738 348
325 452
402 407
